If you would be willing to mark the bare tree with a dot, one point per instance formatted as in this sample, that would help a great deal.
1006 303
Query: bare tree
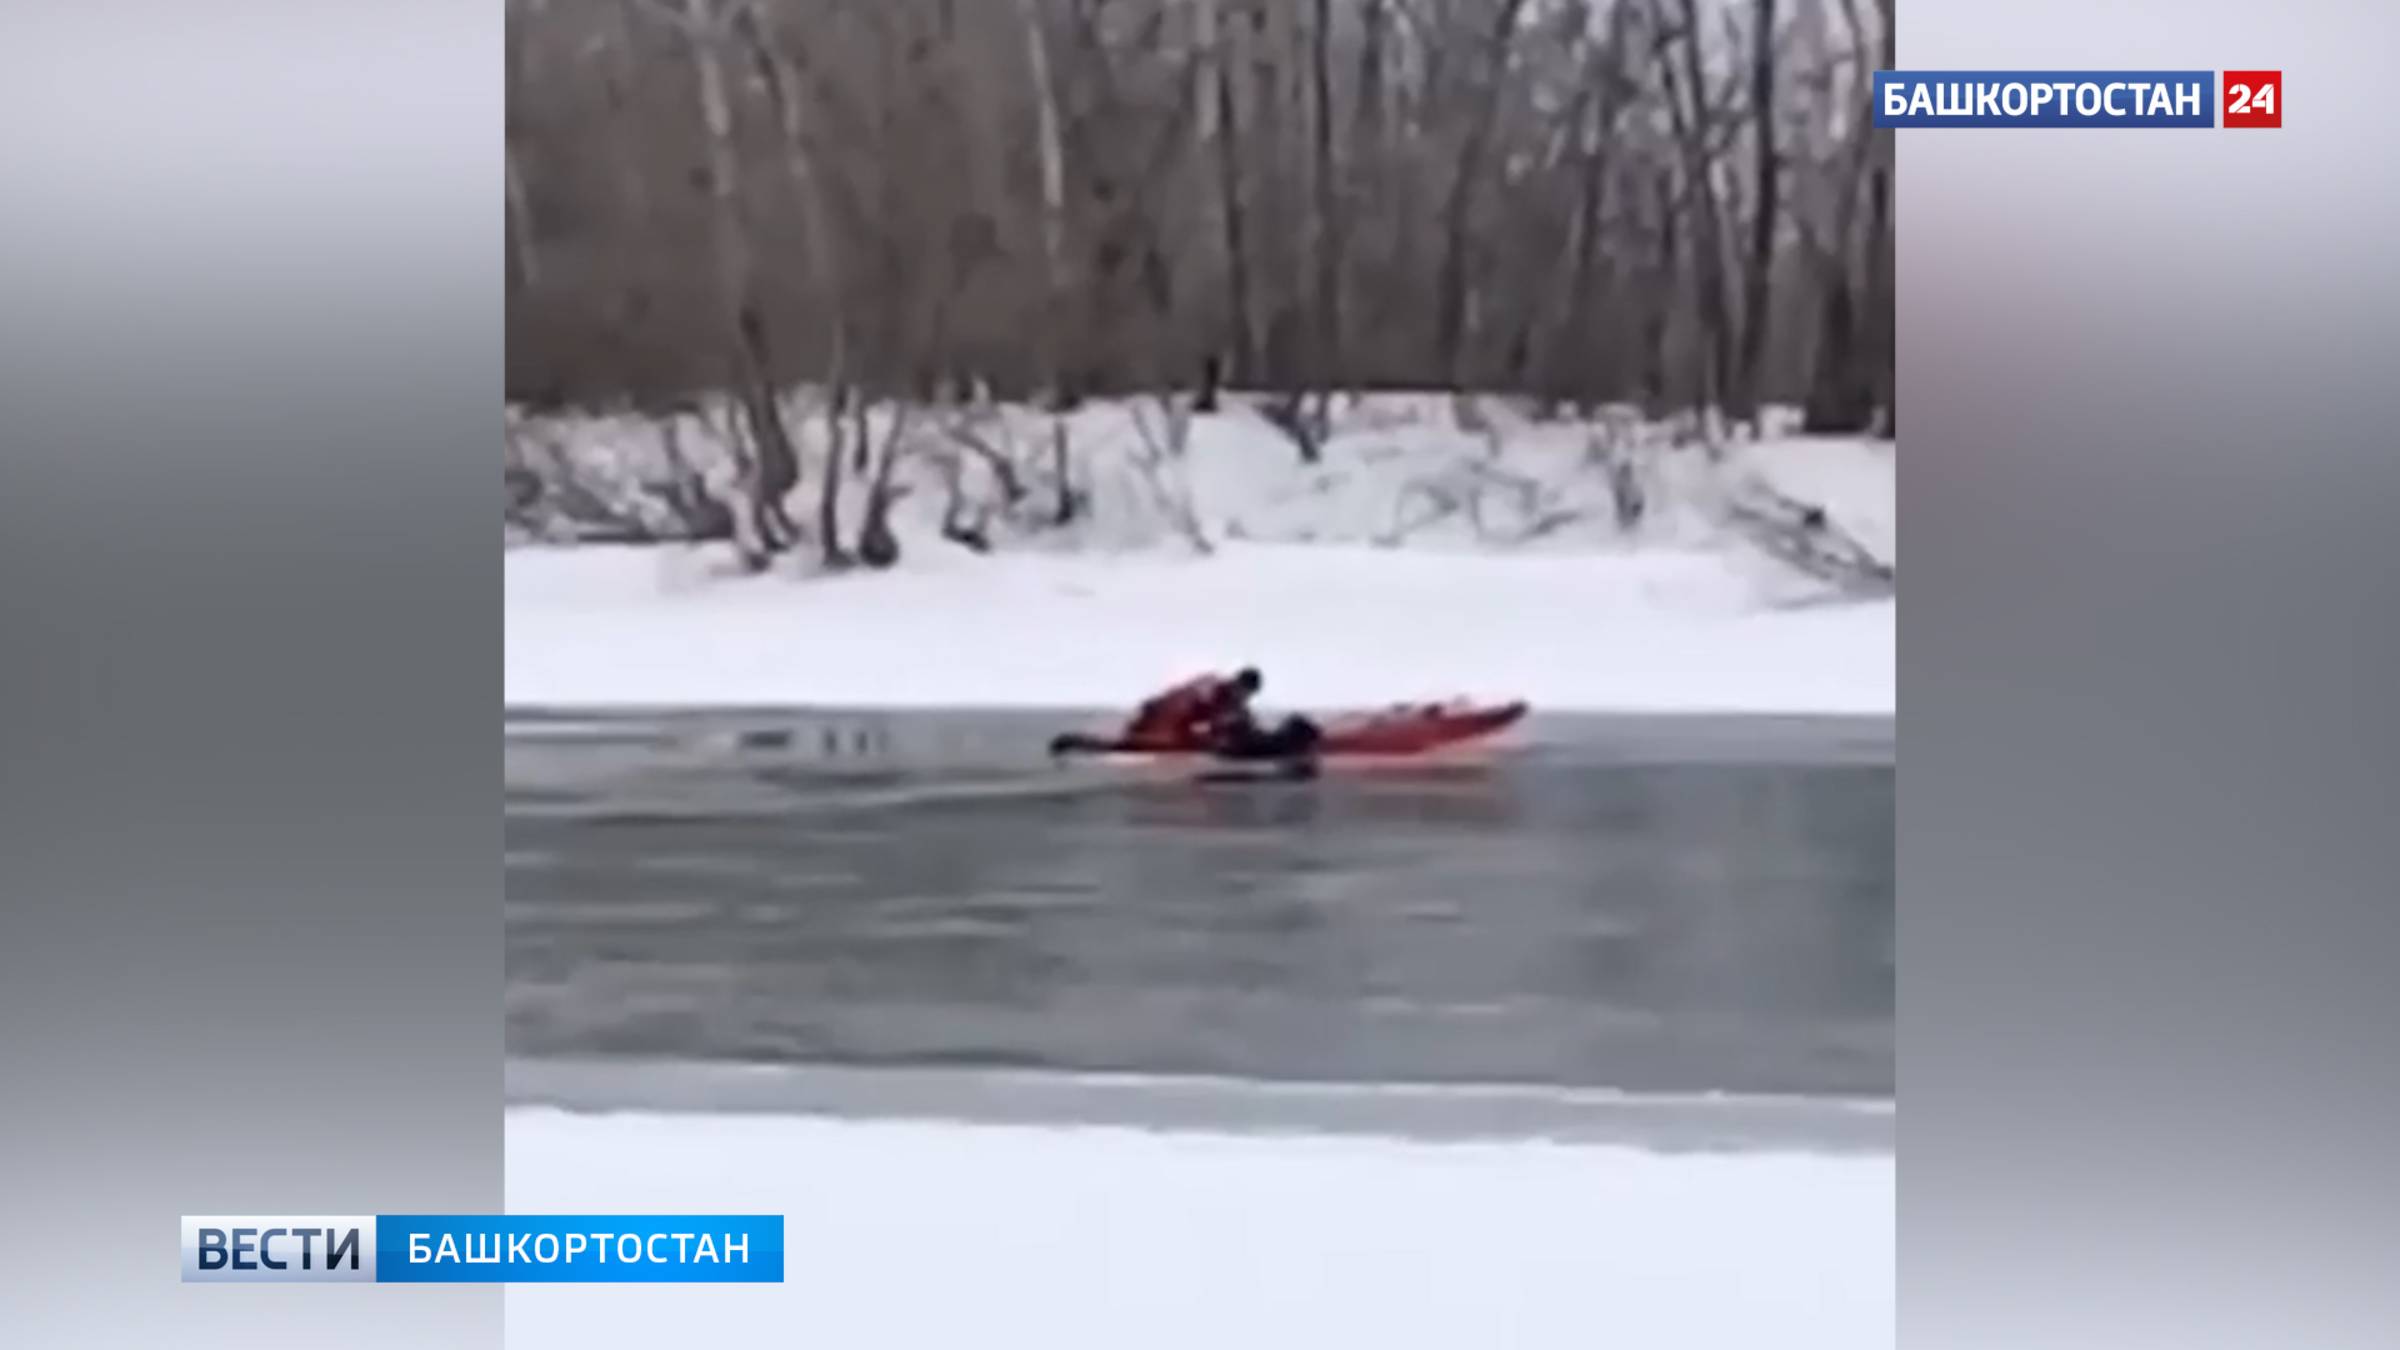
1604 95
1841 390
1692 114
1744 399
1054 201
1879 251
877 545
1243 324
1450 318
780 76
524 262
1666 232
771 468
1326 231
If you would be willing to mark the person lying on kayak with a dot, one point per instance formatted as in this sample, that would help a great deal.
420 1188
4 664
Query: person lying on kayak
1209 711
1212 714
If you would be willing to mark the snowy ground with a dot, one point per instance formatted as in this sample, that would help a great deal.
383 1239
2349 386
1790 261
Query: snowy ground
1330 625
942 1235
1417 560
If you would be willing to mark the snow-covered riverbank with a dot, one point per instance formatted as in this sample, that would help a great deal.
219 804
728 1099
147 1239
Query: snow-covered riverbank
941 1234
1415 560
1331 625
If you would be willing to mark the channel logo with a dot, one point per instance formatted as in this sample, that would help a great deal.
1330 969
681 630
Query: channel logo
278 1248
2077 98
483 1248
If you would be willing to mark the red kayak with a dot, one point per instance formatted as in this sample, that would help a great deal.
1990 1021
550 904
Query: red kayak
1414 729
1400 730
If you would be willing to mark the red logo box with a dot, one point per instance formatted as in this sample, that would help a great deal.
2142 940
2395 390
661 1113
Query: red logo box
2253 98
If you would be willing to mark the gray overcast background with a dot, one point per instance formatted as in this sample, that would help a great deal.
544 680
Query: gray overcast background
2147 882
249 868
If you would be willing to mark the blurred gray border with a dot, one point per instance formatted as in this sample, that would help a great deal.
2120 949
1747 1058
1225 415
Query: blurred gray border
248 837
2148 909
250 361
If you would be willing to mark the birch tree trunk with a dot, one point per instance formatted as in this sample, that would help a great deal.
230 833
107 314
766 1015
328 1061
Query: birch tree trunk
1232 216
524 269
772 467
1576 362
1054 204
1366 199
784 90
1692 126
1881 259
1328 229
526 260
1661 292
1758 272
1842 395
1450 317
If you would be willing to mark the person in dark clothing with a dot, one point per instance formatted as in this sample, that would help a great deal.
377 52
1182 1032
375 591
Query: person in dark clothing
1203 711
1214 713
1229 720
1233 730
1208 714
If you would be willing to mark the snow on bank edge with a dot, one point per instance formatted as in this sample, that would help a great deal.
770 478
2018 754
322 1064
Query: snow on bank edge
939 1235
1650 631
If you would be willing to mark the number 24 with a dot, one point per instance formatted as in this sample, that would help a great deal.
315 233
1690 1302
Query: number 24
2246 100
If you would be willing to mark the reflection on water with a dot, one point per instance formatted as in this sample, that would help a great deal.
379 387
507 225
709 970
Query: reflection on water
1572 914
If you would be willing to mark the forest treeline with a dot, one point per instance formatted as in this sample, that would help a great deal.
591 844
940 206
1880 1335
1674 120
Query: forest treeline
1678 203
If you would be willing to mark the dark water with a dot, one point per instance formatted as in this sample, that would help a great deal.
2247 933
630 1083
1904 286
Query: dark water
1654 905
